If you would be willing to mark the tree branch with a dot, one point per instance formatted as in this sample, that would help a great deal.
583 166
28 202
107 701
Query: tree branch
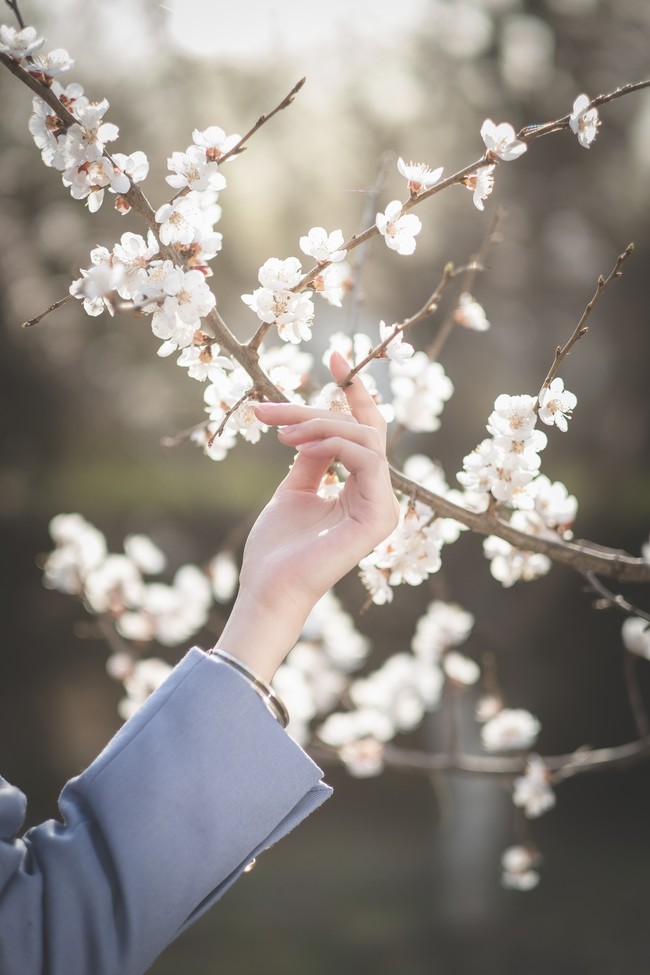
582 328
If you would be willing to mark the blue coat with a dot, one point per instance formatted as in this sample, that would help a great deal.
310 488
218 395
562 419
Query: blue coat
198 782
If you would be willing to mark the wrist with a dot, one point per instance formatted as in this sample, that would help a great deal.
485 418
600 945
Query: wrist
259 635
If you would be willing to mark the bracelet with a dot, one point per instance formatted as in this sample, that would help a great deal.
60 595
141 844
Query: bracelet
268 695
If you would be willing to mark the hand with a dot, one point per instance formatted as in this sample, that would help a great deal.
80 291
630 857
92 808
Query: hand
302 544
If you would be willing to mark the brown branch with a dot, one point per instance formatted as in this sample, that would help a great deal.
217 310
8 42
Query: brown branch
262 120
563 766
53 307
580 556
531 132
582 328
527 134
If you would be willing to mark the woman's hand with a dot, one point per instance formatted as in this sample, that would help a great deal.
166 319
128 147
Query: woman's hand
302 544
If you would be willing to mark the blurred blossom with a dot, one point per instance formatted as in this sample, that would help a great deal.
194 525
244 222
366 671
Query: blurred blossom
463 30
517 864
527 51
636 636
224 574
144 679
532 791
511 729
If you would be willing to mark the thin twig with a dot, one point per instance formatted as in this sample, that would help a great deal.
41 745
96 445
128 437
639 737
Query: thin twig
13 5
183 435
430 307
527 134
635 698
229 412
614 599
262 120
582 328
39 318
563 766
477 262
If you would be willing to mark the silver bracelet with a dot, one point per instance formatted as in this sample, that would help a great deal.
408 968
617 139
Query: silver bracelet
268 695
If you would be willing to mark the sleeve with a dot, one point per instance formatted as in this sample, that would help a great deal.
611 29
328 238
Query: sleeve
198 782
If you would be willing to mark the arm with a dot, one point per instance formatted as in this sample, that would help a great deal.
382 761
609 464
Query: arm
202 778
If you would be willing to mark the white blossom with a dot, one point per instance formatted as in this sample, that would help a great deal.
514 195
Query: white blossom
398 230
636 636
500 141
513 416
215 141
184 298
145 677
511 728
442 626
481 184
224 575
52 65
145 554
420 389
193 170
114 586
469 314
556 404
509 564
554 505
584 121
19 43
397 349
341 728
532 791
79 548
517 864
98 286
460 669
363 758
332 282
135 165
323 247
420 177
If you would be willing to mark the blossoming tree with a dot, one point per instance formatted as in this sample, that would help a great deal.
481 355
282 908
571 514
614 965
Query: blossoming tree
344 706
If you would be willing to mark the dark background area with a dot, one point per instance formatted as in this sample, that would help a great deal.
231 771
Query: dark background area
398 874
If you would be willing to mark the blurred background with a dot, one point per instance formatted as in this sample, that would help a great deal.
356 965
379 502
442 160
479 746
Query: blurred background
392 876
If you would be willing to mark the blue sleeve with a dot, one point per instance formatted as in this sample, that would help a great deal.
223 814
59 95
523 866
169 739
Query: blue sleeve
198 782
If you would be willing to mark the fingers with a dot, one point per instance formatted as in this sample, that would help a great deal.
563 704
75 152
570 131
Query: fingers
369 473
364 409
311 463
323 428
279 414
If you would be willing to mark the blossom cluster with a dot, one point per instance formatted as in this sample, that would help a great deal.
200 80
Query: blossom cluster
119 585
506 467
395 697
